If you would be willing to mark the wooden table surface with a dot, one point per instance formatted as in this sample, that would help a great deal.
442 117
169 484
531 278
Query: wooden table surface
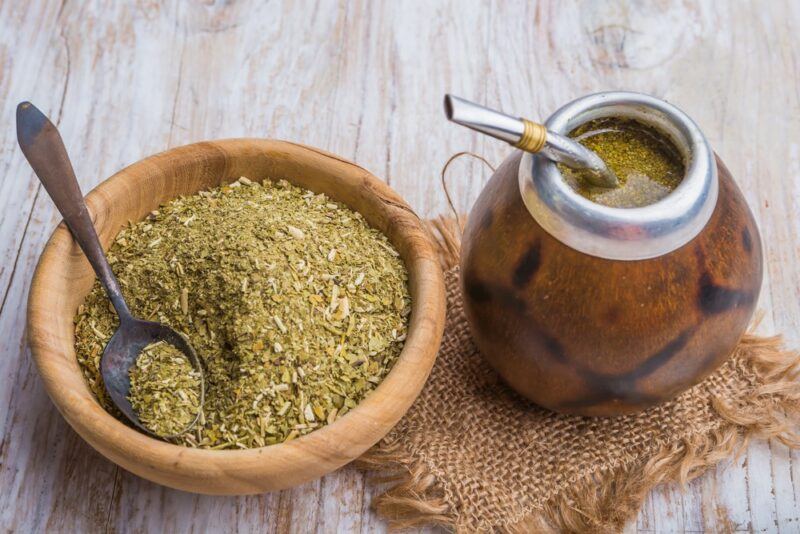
365 79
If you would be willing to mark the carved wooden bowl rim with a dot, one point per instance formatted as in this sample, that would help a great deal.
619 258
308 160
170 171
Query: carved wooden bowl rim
63 278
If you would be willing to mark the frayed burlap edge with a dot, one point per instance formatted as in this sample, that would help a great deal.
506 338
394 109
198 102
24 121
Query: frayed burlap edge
607 500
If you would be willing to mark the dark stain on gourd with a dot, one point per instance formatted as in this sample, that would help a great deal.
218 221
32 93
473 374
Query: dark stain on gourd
554 347
654 362
485 292
606 387
714 298
747 241
609 387
476 290
507 298
648 366
488 219
612 315
527 265
589 402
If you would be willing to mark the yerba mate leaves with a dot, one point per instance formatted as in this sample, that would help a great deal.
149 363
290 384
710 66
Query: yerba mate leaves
647 163
296 307
165 389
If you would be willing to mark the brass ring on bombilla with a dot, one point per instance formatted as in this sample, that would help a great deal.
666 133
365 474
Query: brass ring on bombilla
533 137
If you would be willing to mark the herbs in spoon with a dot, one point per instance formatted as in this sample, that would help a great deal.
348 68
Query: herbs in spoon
165 389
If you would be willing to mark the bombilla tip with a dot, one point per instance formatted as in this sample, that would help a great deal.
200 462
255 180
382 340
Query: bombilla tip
448 106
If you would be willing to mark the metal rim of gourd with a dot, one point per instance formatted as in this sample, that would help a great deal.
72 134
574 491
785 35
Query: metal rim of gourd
623 233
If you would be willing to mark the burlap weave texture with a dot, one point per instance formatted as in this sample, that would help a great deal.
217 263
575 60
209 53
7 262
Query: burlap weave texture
473 456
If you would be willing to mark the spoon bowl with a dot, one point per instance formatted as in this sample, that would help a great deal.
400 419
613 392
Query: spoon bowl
43 147
122 351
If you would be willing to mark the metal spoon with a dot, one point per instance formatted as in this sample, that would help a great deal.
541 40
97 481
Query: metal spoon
531 137
42 145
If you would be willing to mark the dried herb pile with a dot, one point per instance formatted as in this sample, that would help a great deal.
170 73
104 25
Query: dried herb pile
165 389
295 305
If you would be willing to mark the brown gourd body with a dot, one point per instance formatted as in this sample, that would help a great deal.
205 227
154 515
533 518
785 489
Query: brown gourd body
581 334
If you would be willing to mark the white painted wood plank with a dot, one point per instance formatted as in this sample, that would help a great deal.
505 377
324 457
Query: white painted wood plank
141 506
33 63
54 480
768 104
341 505
299 508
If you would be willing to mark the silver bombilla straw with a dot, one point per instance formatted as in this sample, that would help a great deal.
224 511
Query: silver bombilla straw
531 137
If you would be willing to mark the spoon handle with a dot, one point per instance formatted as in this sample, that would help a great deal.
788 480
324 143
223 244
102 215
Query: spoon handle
42 145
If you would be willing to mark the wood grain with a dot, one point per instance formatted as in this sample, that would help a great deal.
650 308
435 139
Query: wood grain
364 79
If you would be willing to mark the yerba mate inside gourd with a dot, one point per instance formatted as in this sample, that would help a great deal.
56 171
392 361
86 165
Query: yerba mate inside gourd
647 163
296 307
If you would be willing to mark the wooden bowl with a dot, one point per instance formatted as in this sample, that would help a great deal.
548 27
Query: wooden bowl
586 335
63 278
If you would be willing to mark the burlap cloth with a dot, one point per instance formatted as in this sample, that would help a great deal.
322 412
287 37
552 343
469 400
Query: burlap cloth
473 456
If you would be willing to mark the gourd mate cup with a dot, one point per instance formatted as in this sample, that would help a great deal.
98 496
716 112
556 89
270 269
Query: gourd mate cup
63 278
593 310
